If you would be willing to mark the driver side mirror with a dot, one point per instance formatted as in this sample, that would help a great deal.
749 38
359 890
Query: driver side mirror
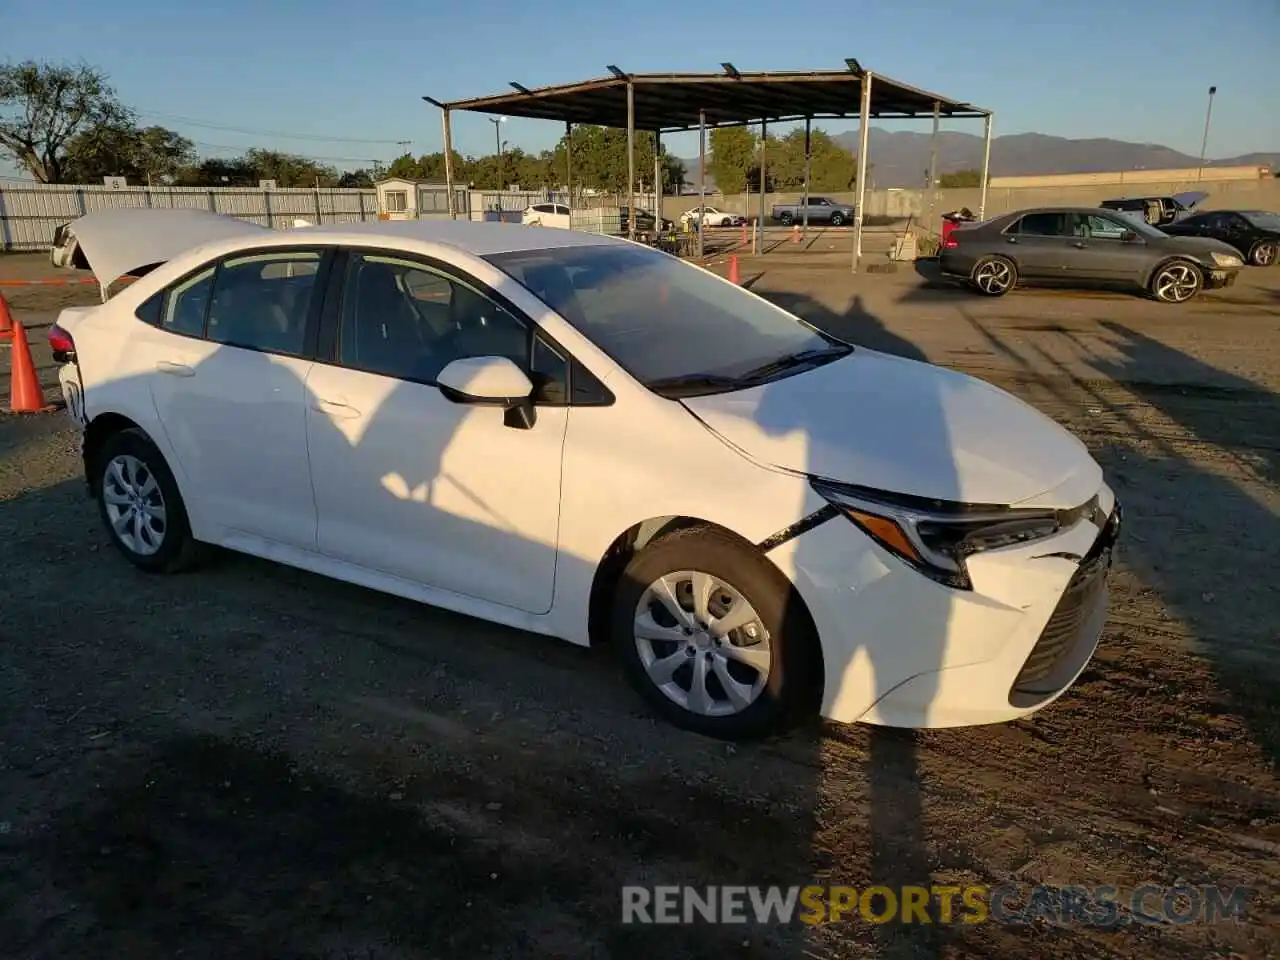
490 382
1128 236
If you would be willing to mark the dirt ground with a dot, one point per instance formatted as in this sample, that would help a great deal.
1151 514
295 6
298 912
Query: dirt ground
250 761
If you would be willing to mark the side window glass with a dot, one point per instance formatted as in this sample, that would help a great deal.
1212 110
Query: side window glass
1043 225
262 301
1104 228
186 304
404 320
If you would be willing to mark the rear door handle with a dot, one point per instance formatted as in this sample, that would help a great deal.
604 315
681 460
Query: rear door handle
339 411
175 369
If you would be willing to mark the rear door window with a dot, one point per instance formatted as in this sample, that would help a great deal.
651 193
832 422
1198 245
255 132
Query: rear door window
1043 225
262 301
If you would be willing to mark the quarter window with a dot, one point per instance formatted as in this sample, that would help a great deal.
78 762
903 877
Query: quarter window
262 301
186 305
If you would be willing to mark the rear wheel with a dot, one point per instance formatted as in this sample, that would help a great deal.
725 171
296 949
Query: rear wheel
714 637
140 505
1176 282
995 276
1263 253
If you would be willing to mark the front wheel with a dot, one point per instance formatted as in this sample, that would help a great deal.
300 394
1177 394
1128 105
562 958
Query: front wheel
1176 282
837 220
714 637
1263 253
786 219
140 505
995 276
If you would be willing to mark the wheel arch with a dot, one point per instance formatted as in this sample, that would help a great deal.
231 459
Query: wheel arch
634 539
1166 261
100 429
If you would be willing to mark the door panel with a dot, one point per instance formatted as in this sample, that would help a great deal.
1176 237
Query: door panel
439 493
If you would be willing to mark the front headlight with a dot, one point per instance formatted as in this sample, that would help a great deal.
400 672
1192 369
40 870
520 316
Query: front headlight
935 537
1226 260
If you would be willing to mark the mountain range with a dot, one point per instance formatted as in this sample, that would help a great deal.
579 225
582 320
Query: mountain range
900 158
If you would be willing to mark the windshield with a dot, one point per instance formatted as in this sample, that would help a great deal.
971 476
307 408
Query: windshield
1262 219
662 319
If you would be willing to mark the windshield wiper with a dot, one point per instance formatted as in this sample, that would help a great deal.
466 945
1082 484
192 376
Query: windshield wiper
692 383
791 360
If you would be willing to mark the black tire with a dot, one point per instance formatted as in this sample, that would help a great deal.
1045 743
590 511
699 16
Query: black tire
1163 275
177 549
837 220
786 219
726 222
1263 253
789 692
994 276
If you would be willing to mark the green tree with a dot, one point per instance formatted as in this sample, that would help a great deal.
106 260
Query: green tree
153 155
43 106
734 152
960 179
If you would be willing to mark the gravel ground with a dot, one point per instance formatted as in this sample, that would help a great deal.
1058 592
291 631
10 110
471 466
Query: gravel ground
252 761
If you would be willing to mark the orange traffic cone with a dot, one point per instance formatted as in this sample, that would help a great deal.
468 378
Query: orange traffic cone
744 231
24 386
6 320
733 270
795 233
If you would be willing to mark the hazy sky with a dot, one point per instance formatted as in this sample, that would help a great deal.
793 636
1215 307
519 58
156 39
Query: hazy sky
348 75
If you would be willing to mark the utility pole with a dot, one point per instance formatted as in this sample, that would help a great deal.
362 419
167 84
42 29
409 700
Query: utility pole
1204 144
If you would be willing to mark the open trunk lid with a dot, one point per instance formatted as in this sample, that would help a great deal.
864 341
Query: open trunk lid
118 242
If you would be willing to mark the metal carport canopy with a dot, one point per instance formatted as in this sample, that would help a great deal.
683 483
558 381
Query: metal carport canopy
671 102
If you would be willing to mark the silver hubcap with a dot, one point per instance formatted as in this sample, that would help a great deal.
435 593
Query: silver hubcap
1264 255
135 505
1176 283
994 276
702 643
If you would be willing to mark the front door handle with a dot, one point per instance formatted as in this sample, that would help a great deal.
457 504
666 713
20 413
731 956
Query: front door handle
339 411
175 369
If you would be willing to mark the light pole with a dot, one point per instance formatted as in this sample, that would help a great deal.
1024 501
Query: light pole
1204 144
497 140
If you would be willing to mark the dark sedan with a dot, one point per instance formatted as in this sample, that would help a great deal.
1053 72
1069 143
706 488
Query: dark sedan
1085 246
1254 233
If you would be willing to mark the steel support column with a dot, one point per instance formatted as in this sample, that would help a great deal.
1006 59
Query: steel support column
933 163
986 164
808 157
448 164
758 250
860 197
702 176
657 181
631 159
568 165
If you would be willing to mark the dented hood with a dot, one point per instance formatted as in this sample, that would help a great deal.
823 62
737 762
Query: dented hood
1191 198
117 242
904 426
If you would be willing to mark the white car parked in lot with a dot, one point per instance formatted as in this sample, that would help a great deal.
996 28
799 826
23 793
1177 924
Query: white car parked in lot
586 438
547 215
713 217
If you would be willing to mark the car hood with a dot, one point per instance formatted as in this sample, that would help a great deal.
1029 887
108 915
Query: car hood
908 427
116 242
1191 198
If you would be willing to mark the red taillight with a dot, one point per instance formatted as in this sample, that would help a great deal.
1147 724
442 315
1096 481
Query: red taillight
61 344
951 243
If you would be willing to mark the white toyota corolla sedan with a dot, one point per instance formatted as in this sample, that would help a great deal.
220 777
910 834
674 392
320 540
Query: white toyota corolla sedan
586 438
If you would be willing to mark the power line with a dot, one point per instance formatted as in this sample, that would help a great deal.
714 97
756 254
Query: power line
300 156
315 137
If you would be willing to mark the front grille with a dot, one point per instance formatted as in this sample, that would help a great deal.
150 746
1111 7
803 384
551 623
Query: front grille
1063 629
